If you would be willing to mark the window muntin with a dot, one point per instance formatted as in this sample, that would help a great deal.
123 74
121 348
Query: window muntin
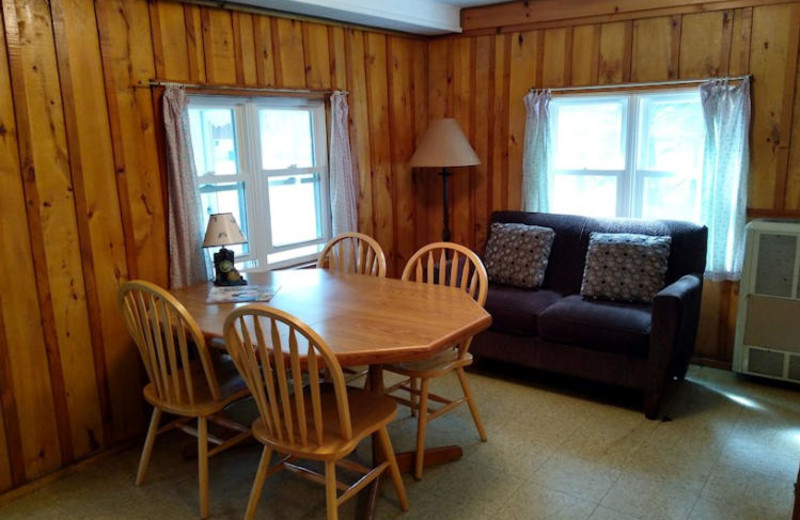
660 138
264 160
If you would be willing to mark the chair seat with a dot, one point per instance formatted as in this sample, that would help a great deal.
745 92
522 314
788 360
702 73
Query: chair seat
441 362
369 413
231 388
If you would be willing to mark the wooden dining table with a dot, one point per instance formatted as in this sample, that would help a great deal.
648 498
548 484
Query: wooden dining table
365 320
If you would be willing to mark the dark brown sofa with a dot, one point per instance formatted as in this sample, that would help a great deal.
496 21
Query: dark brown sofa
640 346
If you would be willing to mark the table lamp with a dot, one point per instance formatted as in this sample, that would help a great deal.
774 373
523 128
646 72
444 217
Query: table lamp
443 144
223 231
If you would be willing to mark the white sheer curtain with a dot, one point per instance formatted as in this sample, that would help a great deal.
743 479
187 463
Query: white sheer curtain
723 200
344 184
187 263
536 185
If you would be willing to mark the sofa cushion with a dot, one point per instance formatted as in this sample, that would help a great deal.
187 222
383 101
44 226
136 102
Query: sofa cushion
611 327
516 310
517 254
625 267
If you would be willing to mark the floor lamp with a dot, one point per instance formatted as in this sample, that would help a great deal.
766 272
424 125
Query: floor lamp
444 145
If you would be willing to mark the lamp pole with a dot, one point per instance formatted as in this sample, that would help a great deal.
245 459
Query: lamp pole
444 144
445 173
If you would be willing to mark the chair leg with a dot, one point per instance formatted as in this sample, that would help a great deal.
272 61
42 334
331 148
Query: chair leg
388 452
330 490
152 432
202 463
473 407
258 483
422 420
414 397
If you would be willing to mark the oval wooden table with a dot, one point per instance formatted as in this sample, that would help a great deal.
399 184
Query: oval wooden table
365 320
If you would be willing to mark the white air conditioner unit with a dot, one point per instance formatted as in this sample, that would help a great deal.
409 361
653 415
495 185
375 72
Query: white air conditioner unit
768 326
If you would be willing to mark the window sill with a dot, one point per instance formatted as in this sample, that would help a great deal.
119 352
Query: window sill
308 264
301 263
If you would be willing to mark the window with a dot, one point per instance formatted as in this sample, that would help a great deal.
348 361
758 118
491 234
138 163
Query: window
264 160
631 155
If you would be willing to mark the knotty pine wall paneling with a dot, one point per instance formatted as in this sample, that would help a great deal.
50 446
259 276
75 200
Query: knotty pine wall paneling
26 398
52 218
82 206
568 43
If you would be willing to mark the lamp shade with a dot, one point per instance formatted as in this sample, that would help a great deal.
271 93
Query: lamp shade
223 230
444 144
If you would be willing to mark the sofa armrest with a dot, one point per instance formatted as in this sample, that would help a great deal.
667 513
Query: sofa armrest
675 316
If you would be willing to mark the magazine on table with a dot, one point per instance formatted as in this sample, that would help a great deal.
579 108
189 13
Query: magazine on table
242 293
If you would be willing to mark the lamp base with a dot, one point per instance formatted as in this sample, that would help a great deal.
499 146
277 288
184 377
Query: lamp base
227 274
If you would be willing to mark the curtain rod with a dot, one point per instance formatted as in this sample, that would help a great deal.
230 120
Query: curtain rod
276 90
640 85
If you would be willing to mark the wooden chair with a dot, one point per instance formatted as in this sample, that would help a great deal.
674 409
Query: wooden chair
183 379
353 253
441 263
303 415
358 254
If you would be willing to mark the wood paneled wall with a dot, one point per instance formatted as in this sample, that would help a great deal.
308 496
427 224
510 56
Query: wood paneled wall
82 203
481 76
82 206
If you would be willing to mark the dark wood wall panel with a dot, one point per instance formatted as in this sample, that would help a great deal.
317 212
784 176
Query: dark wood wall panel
83 202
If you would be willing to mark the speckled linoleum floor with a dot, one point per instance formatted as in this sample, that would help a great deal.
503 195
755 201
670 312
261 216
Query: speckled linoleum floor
556 451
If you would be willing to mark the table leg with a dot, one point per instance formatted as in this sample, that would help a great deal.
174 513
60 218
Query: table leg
374 384
405 460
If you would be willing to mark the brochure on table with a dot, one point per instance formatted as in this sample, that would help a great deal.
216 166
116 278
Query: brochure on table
241 293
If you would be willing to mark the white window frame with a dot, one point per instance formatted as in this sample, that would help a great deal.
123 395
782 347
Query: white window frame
256 179
630 179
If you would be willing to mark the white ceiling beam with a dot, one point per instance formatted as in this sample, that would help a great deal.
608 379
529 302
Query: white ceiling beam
415 16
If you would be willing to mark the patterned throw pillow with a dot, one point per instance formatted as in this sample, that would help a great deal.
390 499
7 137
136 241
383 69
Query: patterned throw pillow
625 267
516 254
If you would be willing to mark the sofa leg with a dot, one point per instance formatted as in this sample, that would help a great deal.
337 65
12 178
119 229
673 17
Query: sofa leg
652 404
684 368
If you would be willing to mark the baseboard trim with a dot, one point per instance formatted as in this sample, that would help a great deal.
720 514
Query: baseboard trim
713 363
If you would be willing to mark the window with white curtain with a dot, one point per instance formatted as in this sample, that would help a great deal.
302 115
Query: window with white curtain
265 161
628 155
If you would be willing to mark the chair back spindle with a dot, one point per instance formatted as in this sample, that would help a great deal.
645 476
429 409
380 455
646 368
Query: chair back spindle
353 253
445 263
